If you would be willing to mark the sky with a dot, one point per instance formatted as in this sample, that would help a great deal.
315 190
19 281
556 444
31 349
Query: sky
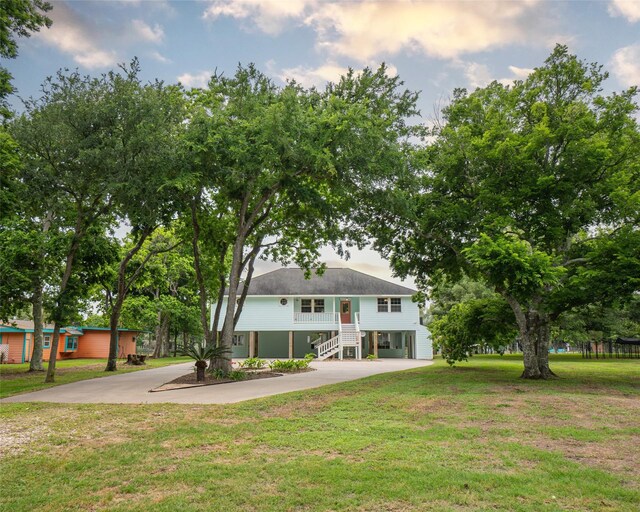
434 46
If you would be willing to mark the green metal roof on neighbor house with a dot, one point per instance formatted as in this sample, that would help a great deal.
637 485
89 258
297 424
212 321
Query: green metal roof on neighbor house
6 328
334 281
27 326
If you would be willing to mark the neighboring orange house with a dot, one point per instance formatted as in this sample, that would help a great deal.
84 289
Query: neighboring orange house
16 342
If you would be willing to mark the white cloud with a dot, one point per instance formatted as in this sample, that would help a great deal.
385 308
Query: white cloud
318 76
157 5
145 32
520 73
625 64
308 76
365 30
269 15
198 80
75 36
159 57
629 9
479 75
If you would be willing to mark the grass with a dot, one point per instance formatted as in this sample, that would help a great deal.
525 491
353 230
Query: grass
15 379
469 438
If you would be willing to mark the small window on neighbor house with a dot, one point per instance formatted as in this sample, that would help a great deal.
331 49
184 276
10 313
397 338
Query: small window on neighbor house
71 344
46 342
383 305
396 305
238 340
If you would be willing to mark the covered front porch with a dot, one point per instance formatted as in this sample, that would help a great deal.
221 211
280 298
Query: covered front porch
326 312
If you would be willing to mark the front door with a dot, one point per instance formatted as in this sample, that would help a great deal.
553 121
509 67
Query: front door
345 311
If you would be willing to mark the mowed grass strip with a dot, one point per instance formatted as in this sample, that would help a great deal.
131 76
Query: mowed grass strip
473 437
16 379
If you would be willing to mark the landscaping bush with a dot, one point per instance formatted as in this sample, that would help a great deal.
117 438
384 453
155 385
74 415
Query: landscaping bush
291 365
253 363
237 375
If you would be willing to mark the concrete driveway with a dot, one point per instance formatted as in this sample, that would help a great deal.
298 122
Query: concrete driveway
133 388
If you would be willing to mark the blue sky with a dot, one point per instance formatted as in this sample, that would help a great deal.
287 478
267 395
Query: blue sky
433 46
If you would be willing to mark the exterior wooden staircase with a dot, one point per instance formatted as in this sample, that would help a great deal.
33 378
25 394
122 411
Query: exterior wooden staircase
348 336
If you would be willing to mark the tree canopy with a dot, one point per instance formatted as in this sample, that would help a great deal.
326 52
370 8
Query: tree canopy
18 18
532 188
277 171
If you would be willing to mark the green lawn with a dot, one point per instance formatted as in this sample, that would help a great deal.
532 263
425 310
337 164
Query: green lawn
15 379
474 437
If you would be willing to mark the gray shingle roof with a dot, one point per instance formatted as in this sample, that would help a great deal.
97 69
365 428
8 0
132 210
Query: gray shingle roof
334 281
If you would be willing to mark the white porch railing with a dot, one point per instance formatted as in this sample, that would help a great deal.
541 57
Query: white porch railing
329 347
315 318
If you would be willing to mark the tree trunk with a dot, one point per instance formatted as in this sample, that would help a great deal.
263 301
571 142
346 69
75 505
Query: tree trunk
534 331
544 338
112 361
51 367
35 365
123 288
200 368
226 340
157 351
61 304
202 289
166 340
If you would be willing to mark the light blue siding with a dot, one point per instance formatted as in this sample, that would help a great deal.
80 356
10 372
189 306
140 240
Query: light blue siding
268 314
273 321
424 346
372 320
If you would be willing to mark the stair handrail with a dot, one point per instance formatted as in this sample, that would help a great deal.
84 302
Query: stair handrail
328 345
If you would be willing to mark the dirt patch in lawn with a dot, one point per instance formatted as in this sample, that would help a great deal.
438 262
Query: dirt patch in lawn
609 456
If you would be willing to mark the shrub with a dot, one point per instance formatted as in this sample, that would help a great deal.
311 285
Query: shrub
253 363
372 356
291 365
217 373
237 375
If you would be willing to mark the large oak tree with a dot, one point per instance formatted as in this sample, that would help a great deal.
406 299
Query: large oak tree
533 188
278 171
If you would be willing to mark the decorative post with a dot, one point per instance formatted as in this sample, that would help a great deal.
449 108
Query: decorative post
290 344
375 343
252 344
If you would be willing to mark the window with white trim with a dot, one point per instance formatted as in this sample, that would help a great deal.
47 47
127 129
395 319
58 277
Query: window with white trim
46 342
312 306
238 340
389 305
